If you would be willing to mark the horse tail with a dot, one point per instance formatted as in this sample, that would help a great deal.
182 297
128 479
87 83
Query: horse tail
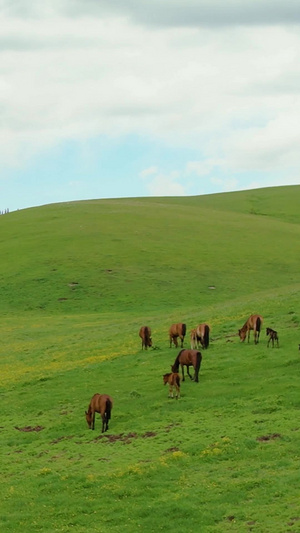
177 379
198 364
183 330
206 336
108 409
258 323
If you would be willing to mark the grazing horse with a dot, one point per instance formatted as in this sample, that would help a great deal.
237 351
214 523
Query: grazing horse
175 331
188 358
173 380
100 403
254 322
145 334
272 337
194 339
202 332
200 335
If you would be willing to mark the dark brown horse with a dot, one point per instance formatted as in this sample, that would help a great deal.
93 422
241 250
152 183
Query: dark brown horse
188 358
100 403
254 323
173 380
145 334
175 331
273 336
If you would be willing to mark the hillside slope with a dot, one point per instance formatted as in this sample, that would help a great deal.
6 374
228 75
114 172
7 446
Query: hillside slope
148 254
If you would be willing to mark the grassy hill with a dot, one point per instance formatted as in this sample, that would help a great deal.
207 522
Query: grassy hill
77 282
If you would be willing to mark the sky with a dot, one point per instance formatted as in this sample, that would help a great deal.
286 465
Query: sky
134 98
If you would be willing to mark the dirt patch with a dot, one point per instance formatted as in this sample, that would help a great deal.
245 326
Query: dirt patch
173 449
171 426
61 299
122 437
266 438
30 428
148 434
59 439
293 520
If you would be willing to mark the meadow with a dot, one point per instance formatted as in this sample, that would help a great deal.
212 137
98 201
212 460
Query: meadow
77 282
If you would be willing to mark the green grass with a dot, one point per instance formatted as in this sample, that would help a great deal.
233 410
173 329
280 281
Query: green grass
77 282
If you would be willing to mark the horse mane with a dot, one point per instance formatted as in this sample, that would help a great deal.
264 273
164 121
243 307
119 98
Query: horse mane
176 362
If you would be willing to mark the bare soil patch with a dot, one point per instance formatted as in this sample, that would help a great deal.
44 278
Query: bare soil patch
30 428
266 438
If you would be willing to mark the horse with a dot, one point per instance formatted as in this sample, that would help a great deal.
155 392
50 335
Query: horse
202 332
175 331
145 334
188 358
100 403
273 336
194 339
173 380
254 322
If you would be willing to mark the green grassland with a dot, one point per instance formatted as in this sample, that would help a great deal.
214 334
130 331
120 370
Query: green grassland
77 281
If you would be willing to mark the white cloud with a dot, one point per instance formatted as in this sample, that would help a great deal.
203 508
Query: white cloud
211 76
148 172
165 185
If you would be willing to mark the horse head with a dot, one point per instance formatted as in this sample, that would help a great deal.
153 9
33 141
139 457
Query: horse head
242 334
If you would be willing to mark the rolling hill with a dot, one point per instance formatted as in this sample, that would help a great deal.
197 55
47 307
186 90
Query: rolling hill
77 282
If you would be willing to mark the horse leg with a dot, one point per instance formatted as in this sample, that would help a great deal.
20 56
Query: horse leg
182 371
104 423
171 392
268 342
188 371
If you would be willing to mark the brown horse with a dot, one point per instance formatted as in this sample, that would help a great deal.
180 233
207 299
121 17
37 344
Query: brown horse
273 336
202 332
145 334
173 380
100 403
254 322
188 358
175 331
194 339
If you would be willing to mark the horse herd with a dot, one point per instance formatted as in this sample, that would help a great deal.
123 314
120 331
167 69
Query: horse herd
199 336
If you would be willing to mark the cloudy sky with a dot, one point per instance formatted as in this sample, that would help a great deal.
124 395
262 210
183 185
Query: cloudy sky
120 98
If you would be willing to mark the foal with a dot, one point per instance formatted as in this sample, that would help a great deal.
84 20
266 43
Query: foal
100 403
173 380
272 337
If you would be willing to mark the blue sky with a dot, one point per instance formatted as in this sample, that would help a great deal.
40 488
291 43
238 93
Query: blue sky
116 99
